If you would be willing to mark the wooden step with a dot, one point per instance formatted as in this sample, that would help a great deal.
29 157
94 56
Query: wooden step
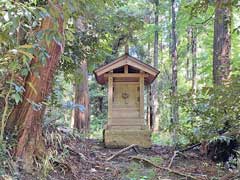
126 119
124 107
125 114
127 122
127 127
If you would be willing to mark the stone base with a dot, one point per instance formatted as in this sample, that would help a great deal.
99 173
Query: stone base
114 138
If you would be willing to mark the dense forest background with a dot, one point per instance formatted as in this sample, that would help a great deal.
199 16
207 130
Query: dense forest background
49 50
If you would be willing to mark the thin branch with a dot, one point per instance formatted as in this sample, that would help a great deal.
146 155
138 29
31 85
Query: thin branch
133 146
180 152
230 176
174 155
165 168
205 21
190 147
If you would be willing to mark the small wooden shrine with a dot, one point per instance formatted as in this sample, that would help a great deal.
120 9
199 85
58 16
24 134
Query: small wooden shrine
126 77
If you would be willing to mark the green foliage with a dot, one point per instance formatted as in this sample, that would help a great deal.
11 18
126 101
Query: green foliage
162 138
156 160
137 171
7 165
98 103
213 111
92 30
60 102
3 158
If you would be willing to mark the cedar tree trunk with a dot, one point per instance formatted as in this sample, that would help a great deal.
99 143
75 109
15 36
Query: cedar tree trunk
222 42
155 83
194 61
174 105
82 118
189 38
26 118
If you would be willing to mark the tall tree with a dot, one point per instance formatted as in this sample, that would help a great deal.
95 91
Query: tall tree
174 86
189 43
81 118
155 115
222 41
149 114
194 60
27 116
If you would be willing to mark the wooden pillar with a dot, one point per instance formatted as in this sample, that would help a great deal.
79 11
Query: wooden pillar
148 107
141 84
110 97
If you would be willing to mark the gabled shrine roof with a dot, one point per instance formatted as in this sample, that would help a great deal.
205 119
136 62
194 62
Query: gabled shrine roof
121 62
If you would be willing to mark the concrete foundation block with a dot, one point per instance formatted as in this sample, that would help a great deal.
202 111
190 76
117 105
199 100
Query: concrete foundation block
116 138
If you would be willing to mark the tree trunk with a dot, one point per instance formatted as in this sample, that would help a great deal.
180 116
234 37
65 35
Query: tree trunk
189 43
26 118
194 61
100 104
149 59
149 95
155 83
149 115
222 42
82 118
149 108
174 92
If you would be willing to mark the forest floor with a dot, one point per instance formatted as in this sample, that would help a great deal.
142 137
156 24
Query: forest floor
86 159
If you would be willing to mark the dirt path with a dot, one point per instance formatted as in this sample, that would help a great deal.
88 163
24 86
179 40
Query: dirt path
72 157
86 160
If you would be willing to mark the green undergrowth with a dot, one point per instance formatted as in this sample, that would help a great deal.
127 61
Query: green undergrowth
141 171
96 134
161 138
164 138
96 126
3 158
137 171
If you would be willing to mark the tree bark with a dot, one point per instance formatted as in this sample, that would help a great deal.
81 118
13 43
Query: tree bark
189 44
174 88
26 118
194 61
155 64
81 119
100 104
149 115
222 42
149 108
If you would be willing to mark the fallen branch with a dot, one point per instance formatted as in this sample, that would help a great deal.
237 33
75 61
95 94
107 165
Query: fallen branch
165 168
190 147
180 152
133 146
174 155
230 176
